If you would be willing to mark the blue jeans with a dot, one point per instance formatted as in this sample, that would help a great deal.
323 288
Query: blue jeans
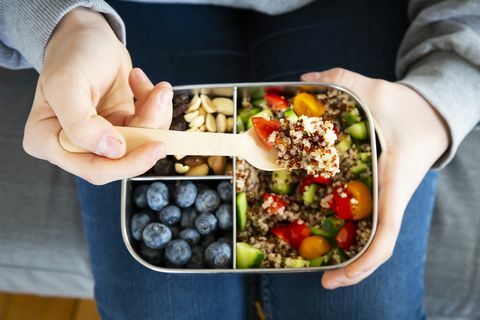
202 44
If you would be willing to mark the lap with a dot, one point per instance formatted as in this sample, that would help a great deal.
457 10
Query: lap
206 44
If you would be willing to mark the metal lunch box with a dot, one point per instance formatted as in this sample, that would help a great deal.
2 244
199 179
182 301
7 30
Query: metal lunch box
238 92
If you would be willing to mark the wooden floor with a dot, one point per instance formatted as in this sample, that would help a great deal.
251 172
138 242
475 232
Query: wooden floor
25 307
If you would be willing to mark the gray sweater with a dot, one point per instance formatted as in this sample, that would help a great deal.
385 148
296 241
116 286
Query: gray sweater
439 56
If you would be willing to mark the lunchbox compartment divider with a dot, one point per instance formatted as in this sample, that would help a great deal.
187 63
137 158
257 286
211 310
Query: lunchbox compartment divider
234 205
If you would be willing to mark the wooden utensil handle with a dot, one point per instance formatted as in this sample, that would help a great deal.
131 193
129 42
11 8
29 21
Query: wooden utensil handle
177 142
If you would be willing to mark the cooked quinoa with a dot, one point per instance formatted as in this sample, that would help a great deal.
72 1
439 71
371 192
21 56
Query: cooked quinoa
306 146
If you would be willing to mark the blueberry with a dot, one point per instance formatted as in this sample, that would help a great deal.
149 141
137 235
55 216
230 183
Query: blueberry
139 221
153 256
224 216
181 98
170 215
179 109
218 255
188 218
190 235
157 196
197 261
164 167
207 201
206 223
225 191
184 194
140 196
156 235
178 252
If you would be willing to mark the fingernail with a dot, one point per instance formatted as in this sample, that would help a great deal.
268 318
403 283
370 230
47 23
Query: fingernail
110 147
165 97
139 74
332 285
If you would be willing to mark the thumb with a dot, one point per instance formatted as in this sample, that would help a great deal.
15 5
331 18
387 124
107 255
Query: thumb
80 121
359 84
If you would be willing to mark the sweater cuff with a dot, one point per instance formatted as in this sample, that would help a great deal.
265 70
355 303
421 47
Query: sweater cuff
450 85
35 21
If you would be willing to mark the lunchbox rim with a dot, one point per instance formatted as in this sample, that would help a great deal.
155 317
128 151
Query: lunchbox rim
235 86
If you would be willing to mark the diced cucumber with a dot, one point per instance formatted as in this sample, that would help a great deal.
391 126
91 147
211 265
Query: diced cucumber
308 195
332 225
296 263
248 256
256 92
358 130
245 114
353 116
359 168
344 144
242 207
365 157
265 113
290 115
368 181
240 126
281 182
260 103
316 262
316 231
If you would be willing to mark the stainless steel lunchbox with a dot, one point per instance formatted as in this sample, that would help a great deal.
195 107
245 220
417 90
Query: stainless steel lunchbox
238 91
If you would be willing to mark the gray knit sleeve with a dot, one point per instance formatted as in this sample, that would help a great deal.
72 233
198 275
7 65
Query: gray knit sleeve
440 59
26 26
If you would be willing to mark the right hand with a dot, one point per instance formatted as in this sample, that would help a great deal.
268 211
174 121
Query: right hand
87 87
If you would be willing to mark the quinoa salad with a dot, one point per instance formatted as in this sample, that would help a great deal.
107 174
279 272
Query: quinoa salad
318 211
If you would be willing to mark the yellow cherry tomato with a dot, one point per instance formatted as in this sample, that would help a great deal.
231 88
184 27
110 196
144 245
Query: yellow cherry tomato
362 203
313 246
306 104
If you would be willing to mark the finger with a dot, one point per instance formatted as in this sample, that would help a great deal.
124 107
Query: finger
140 84
73 107
156 111
358 83
96 169
394 195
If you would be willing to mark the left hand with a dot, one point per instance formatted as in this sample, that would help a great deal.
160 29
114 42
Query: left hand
413 137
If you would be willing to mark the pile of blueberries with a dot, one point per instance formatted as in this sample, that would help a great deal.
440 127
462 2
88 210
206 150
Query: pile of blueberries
182 224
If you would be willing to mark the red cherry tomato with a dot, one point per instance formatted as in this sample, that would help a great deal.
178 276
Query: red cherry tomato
276 102
277 202
274 90
308 180
264 128
347 236
341 205
297 232
281 232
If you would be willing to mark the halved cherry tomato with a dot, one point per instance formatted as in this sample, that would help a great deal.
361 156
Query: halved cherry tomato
347 236
341 204
296 232
363 203
277 202
308 180
264 128
306 104
274 90
281 232
314 246
276 102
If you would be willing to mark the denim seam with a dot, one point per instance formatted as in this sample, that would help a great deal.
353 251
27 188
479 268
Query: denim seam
266 299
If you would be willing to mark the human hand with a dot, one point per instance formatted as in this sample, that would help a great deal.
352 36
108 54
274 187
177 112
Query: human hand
86 87
413 136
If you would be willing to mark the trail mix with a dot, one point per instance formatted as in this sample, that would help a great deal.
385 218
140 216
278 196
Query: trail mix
203 112
318 211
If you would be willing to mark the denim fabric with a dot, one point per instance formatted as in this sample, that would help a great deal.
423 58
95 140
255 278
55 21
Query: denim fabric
188 44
